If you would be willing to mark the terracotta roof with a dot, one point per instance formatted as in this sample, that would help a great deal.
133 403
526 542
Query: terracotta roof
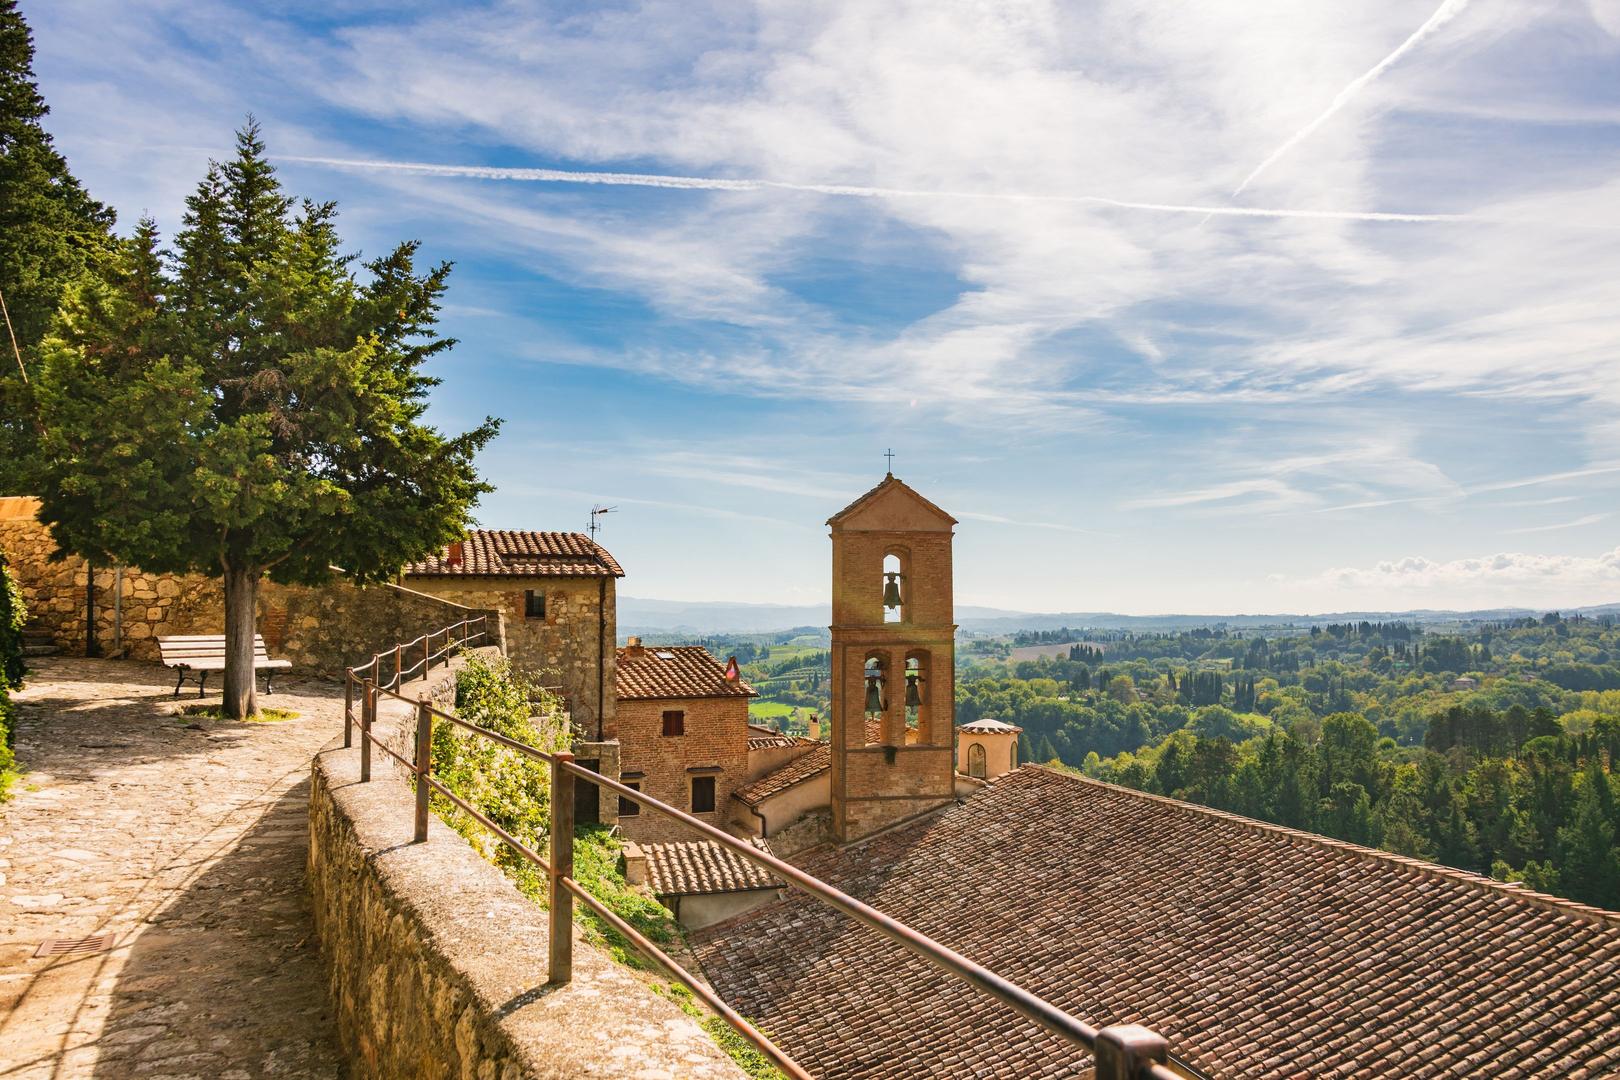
797 771
989 726
697 867
886 483
656 672
518 553
764 738
1257 951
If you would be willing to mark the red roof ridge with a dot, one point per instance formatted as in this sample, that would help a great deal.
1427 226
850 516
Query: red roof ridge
517 553
1512 890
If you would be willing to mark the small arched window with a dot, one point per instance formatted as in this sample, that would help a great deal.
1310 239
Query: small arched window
894 586
976 761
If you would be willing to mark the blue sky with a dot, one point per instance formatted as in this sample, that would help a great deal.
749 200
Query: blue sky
1249 305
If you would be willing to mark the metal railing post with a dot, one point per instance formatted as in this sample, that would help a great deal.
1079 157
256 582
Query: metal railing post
424 763
562 866
1125 1052
368 713
348 709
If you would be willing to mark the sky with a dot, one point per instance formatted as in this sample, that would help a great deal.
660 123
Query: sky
1231 307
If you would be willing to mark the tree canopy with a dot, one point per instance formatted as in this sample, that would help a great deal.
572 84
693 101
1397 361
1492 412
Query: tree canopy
51 232
249 404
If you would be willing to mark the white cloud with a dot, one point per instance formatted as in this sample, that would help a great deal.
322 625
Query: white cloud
1508 578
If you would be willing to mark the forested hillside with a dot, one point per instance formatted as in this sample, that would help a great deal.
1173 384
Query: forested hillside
1487 749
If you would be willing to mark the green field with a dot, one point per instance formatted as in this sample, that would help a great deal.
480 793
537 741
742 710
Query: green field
769 710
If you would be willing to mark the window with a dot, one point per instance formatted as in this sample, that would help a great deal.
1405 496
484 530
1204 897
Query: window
702 794
976 761
674 722
534 604
629 807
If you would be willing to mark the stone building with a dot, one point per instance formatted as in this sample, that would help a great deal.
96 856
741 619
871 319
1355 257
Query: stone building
681 722
986 749
556 593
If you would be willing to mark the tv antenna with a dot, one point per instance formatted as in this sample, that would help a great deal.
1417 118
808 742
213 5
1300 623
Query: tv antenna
596 518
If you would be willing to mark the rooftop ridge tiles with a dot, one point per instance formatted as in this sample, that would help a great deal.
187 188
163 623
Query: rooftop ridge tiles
1512 891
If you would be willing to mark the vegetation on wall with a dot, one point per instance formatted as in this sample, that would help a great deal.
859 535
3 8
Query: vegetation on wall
514 791
12 617
250 404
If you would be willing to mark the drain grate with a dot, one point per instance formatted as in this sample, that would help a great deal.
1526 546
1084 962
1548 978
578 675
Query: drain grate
76 946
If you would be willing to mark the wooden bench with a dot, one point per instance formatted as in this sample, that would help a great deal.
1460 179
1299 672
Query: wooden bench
199 654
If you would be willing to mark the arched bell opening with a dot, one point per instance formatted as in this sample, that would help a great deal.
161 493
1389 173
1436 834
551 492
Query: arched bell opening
894 587
876 695
977 765
916 689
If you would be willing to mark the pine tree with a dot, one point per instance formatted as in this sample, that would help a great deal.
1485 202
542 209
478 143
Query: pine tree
251 406
1589 865
51 232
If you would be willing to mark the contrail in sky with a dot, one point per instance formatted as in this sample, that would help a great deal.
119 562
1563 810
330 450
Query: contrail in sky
1447 11
706 183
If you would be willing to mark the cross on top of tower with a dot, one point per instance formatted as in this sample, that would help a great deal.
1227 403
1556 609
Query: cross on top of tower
889 454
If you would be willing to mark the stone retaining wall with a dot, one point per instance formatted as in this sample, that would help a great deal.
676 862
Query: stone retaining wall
437 964
320 629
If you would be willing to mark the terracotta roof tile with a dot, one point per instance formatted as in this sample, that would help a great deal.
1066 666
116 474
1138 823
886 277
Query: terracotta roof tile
1257 951
517 553
797 771
776 781
987 726
658 672
764 738
698 867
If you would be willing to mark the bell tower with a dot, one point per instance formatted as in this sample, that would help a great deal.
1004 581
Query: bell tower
893 660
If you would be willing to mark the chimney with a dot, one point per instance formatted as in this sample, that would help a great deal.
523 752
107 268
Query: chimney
453 558
732 673
815 727
633 649
635 864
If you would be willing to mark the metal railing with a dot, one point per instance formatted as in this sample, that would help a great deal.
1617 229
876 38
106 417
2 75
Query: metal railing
1120 1052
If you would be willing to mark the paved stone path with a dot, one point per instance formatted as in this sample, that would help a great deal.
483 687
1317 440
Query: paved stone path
187 839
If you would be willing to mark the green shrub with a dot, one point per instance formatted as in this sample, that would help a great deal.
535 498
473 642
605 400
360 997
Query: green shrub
12 617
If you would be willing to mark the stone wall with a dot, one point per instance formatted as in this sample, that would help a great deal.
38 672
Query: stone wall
320 629
570 649
437 964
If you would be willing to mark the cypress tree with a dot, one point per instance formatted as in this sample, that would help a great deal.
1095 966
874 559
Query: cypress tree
51 233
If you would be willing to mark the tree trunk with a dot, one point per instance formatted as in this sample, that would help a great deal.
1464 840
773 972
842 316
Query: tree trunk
241 609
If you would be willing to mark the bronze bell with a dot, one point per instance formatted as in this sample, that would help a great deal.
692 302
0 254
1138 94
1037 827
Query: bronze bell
891 590
913 695
874 693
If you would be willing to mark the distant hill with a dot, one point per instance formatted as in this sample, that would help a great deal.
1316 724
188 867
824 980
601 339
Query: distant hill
638 616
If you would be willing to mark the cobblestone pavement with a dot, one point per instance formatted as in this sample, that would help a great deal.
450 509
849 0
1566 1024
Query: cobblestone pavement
185 838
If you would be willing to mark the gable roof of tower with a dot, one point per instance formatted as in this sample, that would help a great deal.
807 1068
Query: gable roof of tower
518 553
1256 950
888 483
